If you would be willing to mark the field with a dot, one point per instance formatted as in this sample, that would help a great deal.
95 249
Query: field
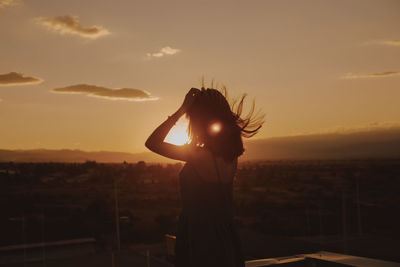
281 207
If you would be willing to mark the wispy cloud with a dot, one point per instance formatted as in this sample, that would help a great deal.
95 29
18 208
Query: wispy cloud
163 52
70 24
371 75
16 78
384 42
103 92
9 3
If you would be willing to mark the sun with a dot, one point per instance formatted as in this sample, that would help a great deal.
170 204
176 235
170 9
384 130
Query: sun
178 134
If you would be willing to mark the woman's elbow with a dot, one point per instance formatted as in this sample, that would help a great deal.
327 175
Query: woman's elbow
148 144
151 145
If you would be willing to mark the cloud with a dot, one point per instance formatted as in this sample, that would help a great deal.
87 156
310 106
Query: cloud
9 3
164 51
70 24
16 78
384 42
391 42
371 75
370 127
103 92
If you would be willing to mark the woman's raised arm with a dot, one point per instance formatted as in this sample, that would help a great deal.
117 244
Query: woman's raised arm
156 143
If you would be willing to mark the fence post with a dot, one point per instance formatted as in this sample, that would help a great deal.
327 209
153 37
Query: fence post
344 221
358 204
117 213
147 257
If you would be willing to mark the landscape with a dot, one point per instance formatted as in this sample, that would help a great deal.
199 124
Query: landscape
109 110
288 206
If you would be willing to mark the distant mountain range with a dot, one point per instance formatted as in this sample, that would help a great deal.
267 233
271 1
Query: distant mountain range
374 143
68 155
377 143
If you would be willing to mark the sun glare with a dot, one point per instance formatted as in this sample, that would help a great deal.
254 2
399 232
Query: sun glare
178 134
216 127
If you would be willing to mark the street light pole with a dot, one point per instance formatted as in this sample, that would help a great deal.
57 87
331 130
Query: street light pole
117 213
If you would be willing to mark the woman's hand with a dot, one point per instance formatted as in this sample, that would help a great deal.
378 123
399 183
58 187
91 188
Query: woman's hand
189 99
155 142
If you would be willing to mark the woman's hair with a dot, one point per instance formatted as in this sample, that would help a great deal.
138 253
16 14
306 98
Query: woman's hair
217 125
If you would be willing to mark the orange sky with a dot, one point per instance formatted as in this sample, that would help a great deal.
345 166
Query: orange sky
311 65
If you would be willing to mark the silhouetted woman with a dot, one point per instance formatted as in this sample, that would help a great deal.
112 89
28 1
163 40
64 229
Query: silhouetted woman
206 234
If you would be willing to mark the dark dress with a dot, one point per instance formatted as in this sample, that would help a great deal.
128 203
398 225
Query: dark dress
206 233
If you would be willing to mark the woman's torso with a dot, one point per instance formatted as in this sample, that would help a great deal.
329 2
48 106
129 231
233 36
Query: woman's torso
206 190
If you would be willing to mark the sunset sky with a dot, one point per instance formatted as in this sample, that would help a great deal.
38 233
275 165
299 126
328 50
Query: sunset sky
312 66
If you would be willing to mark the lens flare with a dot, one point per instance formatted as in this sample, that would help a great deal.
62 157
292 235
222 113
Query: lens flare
215 127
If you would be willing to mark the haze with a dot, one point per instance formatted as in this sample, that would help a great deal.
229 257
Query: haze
101 75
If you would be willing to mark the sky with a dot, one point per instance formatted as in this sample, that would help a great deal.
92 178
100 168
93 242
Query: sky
101 75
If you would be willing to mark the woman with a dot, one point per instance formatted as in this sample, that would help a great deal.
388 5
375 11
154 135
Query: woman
206 234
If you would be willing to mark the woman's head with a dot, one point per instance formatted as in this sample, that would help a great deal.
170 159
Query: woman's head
214 124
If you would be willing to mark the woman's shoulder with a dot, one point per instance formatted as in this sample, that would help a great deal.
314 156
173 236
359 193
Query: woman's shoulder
212 168
201 155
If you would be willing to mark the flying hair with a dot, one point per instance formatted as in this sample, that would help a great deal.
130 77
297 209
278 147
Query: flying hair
250 123
219 124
